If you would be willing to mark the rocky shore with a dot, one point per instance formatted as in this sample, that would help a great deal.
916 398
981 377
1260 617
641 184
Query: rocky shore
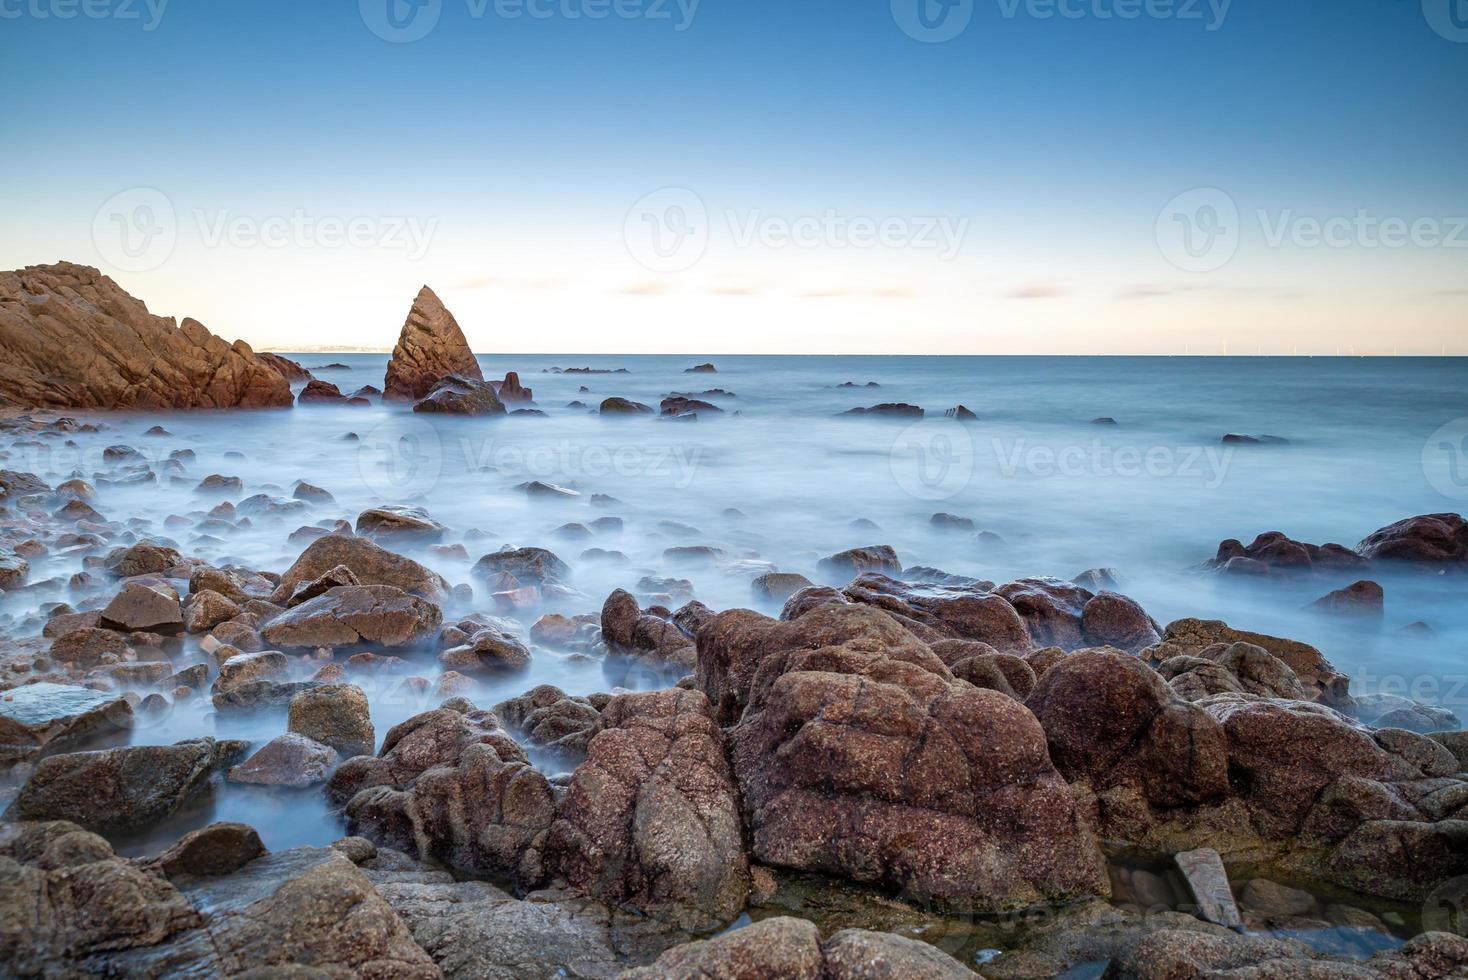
879 769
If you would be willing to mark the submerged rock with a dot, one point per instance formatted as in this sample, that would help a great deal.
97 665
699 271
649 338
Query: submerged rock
1431 540
45 717
369 563
348 616
457 395
287 760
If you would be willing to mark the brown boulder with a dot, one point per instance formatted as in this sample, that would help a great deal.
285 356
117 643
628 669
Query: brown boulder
1433 540
351 615
336 715
650 822
370 563
70 337
1319 678
550 718
430 347
846 565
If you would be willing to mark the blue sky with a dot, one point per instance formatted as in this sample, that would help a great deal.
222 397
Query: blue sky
1026 171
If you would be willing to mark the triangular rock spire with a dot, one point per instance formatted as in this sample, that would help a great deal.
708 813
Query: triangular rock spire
430 347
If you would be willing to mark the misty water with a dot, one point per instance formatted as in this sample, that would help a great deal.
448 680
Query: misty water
779 479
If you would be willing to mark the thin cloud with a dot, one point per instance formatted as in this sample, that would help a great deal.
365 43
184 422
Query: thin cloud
644 289
1038 290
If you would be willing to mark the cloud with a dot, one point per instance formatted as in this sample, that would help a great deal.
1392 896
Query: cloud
735 290
1038 290
644 289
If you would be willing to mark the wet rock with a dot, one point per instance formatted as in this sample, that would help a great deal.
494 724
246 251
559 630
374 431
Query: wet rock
702 369
846 565
628 631
991 670
1274 552
1274 900
776 587
512 392
550 718
488 651
1113 620
1231 668
531 566
852 722
1239 439
650 822
332 578
218 849
89 647
73 338
312 494
146 558
395 523
141 607
123 789
236 585
951 522
285 367
259 696
46 717
320 392
623 406
245 667
540 490
336 715
936 612
423 742
347 616
1360 600
457 395
1431 540
960 413
430 347
889 410
207 609
1207 880
287 760
13 570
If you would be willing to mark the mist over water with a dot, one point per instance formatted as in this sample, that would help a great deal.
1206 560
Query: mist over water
780 484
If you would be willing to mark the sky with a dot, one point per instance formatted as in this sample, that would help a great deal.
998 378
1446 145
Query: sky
756 176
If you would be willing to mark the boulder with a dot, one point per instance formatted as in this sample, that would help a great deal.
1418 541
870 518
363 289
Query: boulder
218 849
46 717
488 651
888 410
512 392
846 565
145 558
530 566
859 755
1431 541
144 608
398 523
1319 678
1276 553
938 612
550 718
287 760
71 338
123 789
456 395
320 392
624 406
1360 600
13 570
650 822
336 715
242 668
776 587
430 347
89 647
348 616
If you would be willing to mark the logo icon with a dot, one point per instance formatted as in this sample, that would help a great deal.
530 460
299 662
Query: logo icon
1449 18
1198 231
401 457
933 459
136 230
667 230
1445 459
933 21
400 21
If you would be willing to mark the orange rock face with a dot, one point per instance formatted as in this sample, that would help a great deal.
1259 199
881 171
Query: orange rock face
430 348
70 337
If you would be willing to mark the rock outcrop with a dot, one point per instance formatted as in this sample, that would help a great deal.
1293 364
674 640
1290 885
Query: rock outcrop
430 347
70 337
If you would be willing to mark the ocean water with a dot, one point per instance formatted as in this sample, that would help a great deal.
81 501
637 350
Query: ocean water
780 477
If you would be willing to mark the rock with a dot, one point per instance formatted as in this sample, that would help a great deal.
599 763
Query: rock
776 587
532 566
489 651
370 563
1113 620
624 406
847 565
950 522
398 523
140 607
348 616
218 849
1277 901
285 367
88 647
423 742
245 667
1002 672
1319 678
511 391
456 395
333 578
46 717
656 640
679 405
859 755
961 414
1360 600
1231 668
889 410
13 570
320 392
1207 880
311 494
938 612
702 369
430 348
1274 552
146 558
336 715
1431 540
207 609
550 718
287 760
70 337
1235 438
123 789
650 822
